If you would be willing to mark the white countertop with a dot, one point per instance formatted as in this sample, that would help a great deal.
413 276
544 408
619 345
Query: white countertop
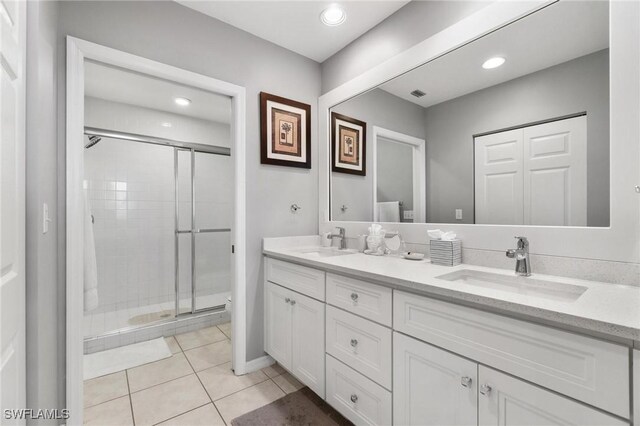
605 310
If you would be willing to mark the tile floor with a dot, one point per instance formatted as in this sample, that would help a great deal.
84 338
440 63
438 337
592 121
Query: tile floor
195 386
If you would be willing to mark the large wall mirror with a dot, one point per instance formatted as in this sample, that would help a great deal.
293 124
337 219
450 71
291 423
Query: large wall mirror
510 129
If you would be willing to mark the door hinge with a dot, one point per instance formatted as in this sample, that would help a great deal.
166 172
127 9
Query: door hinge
233 249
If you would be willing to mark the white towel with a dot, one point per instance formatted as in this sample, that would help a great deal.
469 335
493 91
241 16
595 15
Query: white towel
90 262
389 211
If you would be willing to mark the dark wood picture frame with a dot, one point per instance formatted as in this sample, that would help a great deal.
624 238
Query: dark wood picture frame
335 167
264 137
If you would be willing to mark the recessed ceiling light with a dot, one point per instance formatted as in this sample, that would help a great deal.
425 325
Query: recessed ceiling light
166 124
494 62
182 101
333 15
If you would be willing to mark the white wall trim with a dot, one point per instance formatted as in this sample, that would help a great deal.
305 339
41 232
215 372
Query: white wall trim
418 147
259 363
77 51
619 241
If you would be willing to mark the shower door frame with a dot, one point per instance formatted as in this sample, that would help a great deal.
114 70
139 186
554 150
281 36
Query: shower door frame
78 51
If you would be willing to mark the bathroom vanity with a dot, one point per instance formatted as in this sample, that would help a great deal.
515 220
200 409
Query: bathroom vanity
391 341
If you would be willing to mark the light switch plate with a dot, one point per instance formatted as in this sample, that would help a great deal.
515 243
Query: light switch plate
408 214
458 214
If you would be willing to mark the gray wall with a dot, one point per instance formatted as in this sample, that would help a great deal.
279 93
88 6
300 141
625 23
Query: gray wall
395 174
45 295
172 34
575 86
376 108
410 25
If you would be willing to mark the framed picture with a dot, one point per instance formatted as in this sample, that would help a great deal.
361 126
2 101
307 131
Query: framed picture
348 145
285 127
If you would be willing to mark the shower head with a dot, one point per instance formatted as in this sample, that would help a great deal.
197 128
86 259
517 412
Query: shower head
93 139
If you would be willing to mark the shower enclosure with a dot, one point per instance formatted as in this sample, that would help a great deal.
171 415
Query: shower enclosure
162 213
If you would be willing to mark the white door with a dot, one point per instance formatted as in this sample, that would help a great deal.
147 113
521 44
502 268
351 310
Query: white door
278 324
555 173
507 401
308 342
432 386
12 205
498 178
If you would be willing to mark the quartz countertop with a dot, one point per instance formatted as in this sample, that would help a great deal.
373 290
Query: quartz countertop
605 310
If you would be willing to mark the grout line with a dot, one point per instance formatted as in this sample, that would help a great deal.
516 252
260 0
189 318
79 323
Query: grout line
178 415
133 419
276 383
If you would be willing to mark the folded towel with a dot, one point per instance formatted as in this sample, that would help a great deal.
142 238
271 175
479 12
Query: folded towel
90 262
389 211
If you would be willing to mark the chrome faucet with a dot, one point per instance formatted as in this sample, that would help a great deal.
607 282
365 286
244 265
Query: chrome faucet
521 254
341 235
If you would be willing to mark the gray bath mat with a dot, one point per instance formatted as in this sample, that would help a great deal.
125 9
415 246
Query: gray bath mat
299 408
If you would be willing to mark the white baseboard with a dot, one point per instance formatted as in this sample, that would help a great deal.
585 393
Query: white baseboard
258 364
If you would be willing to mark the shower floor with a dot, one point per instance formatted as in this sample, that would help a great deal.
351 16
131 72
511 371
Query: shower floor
96 324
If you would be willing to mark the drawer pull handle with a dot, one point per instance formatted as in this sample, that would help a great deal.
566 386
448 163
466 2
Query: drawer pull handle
485 390
466 381
287 300
293 302
354 398
354 297
354 342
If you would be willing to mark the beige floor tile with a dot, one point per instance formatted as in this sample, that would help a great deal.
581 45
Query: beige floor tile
248 400
203 416
158 372
209 355
116 412
105 388
162 402
273 370
202 337
174 347
288 383
220 381
226 329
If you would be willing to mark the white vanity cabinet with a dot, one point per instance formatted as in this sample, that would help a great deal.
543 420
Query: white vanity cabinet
294 322
432 387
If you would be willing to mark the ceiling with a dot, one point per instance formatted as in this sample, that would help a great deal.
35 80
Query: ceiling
119 85
556 34
296 25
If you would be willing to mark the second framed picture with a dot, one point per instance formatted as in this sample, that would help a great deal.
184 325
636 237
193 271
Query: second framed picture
348 145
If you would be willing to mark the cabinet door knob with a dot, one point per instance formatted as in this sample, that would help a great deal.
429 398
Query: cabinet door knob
354 398
287 300
485 390
466 381
293 302
354 297
354 342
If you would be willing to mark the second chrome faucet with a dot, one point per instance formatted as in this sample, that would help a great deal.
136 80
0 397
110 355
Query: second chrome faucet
521 254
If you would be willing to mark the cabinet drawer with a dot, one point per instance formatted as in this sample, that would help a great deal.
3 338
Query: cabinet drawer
586 369
505 400
304 280
356 397
361 344
360 297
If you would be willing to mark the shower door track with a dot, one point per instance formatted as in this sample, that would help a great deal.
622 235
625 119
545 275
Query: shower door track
133 137
193 231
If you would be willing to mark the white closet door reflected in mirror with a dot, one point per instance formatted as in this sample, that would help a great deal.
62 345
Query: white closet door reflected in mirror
534 175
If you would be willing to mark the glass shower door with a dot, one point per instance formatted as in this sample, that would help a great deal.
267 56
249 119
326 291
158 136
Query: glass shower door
204 212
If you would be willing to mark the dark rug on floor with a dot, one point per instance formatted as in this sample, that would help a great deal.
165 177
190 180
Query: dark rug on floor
299 408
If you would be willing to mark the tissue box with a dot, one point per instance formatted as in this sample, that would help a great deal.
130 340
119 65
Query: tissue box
446 253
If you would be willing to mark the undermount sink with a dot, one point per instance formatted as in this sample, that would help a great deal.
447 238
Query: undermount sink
324 252
525 286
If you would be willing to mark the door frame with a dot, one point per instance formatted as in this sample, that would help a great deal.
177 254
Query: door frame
77 51
419 165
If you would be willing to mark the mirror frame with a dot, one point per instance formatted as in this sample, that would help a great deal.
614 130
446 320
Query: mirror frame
618 242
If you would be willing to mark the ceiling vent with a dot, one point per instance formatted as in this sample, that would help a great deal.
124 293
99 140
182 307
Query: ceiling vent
418 93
